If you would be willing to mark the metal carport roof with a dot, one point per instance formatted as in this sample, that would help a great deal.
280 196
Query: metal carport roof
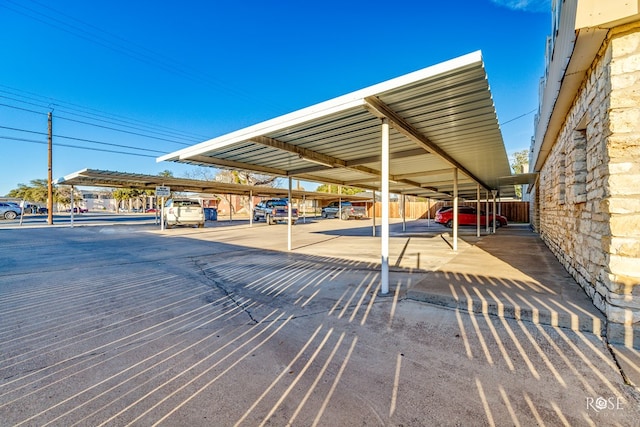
431 133
441 118
111 179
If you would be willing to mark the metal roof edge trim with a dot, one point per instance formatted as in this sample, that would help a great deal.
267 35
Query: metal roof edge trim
61 181
333 105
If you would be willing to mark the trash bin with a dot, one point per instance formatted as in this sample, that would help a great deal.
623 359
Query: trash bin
210 214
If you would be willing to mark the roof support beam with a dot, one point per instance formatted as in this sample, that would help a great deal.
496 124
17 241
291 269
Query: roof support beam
425 173
392 156
303 153
323 160
379 109
215 161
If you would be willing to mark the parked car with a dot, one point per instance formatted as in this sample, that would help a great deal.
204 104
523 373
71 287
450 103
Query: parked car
344 210
273 211
30 208
9 210
183 212
467 216
79 210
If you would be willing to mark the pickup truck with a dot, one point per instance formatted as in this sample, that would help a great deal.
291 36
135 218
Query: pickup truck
349 210
273 211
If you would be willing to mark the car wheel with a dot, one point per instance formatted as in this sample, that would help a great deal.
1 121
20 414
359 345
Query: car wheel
324 215
449 224
167 225
344 216
10 215
267 219
256 219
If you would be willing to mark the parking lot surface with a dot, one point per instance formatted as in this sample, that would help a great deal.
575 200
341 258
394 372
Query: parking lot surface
129 325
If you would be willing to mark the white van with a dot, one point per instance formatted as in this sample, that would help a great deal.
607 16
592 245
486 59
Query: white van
183 212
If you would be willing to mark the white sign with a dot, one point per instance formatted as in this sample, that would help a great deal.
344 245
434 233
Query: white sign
163 191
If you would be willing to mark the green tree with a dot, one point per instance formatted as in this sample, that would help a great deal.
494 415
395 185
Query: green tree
63 195
121 194
519 161
36 192
330 188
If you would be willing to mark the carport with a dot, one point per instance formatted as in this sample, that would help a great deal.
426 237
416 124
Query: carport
431 133
114 179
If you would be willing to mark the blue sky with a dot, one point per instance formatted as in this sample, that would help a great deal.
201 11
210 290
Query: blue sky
128 81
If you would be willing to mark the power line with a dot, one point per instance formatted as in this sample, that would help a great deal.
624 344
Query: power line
190 139
84 140
95 112
97 125
23 109
519 117
120 130
34 141
105 39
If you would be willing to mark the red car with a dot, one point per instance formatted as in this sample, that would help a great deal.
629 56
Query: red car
467 216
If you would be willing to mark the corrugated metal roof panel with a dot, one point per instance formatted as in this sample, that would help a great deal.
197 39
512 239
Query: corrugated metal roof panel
447 108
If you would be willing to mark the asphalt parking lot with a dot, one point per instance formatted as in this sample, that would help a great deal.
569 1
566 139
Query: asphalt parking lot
129 325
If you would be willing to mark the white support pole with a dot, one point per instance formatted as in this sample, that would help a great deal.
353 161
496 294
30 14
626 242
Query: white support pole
384 289
340 201
486 210
493 216
478 210
72 213
250 208
289 217
428 212
373 213
230 208
162 213
455 209
404 215
304 204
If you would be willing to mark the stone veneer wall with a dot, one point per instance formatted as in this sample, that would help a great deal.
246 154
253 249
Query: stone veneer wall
589 188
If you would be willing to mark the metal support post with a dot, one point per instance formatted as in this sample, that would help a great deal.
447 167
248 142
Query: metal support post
385 207
373 213
289 217
486 209
494 192
72 213
404 215
478 211
455 209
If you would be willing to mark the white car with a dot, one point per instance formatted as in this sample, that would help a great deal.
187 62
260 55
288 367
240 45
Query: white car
183 212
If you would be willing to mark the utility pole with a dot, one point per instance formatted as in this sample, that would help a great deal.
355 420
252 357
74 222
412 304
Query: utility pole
50 175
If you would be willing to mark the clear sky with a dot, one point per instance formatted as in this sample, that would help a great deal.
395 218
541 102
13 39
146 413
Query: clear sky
128 81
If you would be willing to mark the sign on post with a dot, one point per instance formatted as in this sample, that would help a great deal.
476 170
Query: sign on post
162 191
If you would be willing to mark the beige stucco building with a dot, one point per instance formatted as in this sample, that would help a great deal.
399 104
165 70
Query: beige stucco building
586 150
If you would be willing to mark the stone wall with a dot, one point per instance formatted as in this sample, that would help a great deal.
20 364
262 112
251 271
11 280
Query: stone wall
588 194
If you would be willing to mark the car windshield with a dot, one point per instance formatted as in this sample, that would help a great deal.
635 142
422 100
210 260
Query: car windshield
279 203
